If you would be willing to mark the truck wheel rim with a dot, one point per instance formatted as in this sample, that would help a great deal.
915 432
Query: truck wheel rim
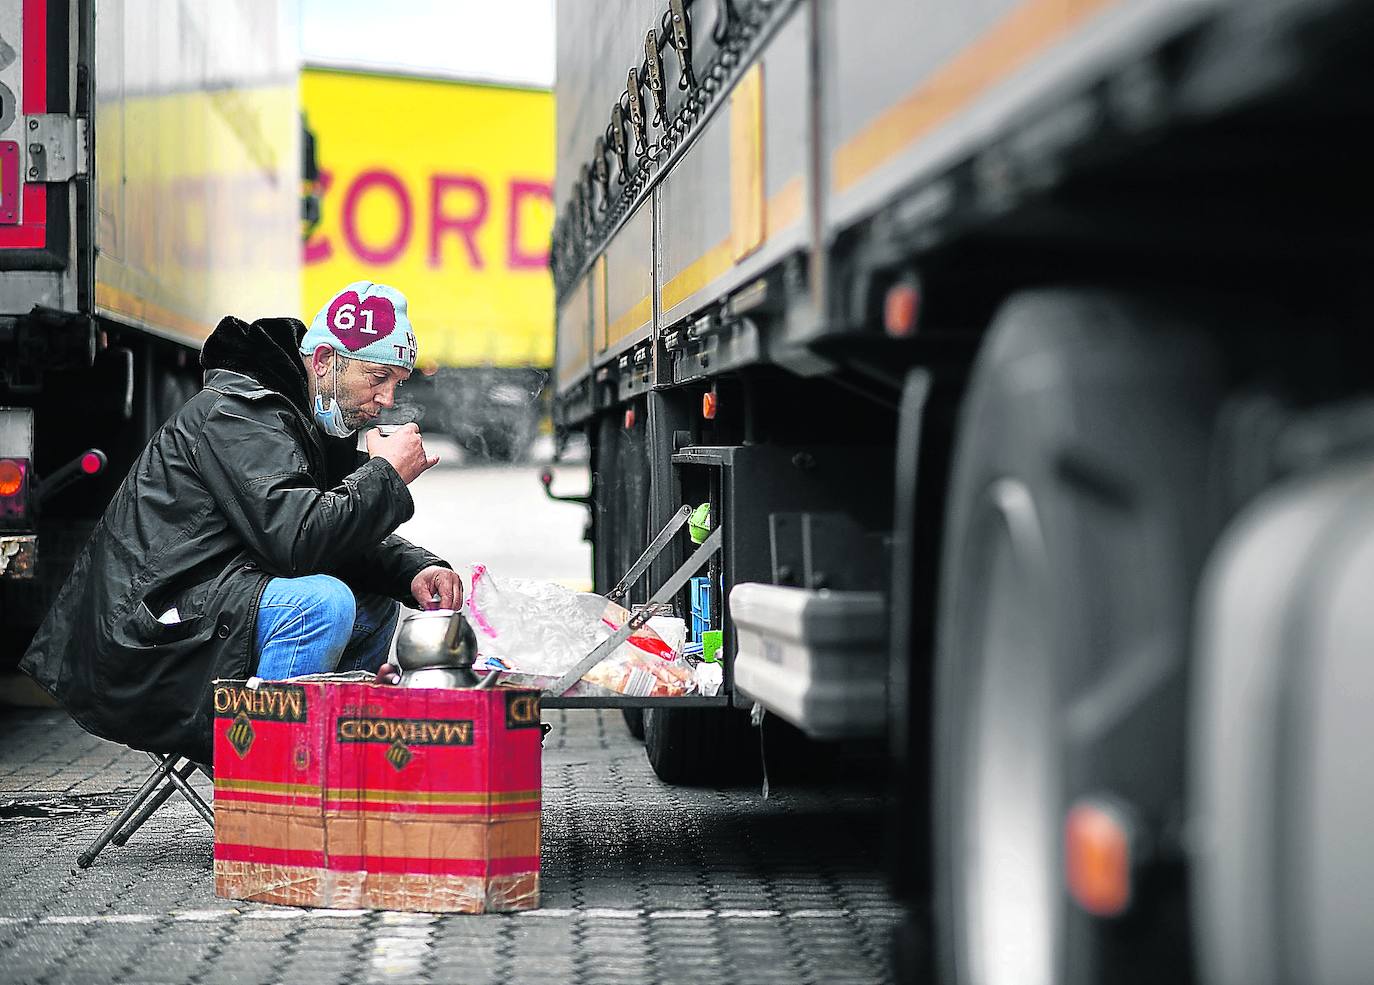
1011 758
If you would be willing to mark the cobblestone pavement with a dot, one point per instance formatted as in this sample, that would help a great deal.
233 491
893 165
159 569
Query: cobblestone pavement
641 882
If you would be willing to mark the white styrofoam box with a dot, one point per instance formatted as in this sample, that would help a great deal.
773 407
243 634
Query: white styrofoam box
815 658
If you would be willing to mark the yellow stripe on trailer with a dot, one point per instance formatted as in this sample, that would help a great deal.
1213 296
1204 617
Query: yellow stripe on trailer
638 314
746 164
714 263
1012 42
130 308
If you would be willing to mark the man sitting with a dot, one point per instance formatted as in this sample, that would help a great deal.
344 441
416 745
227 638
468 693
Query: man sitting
248 540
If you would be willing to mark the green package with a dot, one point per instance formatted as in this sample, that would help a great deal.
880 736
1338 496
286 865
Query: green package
699 523
710 645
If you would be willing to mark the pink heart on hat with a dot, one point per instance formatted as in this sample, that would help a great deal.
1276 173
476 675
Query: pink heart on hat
358 322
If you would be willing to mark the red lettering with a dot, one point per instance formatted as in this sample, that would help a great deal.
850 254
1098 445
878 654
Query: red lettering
465 225
318 248
361 184
516 257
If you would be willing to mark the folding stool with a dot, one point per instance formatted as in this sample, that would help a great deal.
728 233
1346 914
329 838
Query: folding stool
171 775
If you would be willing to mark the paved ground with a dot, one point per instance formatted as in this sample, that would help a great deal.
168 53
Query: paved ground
641 882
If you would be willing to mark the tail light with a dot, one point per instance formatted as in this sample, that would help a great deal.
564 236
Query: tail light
16 454
902 309
1099 842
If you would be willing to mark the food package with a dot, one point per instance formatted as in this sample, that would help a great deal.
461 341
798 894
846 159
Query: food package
534 631
340 793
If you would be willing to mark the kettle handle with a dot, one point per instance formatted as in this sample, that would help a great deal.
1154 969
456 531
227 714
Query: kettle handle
455 632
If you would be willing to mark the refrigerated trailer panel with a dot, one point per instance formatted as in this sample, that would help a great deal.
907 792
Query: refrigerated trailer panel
597 43
735 204
907 94
629 286
574 326
197 165
149 171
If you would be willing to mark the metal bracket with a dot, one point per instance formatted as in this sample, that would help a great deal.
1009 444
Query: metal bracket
651 552
620 142
653 64
58 148
826 551
669 588
682 42
582 201
601 172
9 181
636 100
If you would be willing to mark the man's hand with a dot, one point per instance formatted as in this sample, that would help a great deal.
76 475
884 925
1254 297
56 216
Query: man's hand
436 581
403 449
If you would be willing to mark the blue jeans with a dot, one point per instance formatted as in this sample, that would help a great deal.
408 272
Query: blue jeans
315 625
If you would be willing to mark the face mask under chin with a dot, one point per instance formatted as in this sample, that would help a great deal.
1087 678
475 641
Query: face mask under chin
332 421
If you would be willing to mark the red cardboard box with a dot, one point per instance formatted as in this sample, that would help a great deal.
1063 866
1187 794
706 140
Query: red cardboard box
355 795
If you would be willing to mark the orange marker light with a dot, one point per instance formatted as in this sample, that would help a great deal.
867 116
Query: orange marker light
629 418
1097 858
708 405
900 309
11 477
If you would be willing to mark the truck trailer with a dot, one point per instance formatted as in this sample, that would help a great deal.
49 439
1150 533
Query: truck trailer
1017 350
150 183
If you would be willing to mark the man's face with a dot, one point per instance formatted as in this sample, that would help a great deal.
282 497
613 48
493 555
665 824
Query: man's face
365 389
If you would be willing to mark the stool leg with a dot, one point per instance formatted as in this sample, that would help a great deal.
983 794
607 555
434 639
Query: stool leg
189 792
149 785
163 794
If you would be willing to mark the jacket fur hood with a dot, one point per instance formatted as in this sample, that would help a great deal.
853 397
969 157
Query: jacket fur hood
268 350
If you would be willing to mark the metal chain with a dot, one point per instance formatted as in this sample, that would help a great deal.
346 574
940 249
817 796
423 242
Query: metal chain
579 232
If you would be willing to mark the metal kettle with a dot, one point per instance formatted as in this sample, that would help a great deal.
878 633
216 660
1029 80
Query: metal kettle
436 648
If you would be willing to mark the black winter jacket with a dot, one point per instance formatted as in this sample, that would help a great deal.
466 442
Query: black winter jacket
238 486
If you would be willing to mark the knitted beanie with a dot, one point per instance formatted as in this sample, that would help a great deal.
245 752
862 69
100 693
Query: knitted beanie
365 321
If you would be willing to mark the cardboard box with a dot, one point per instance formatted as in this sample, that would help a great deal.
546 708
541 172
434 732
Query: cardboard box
359 796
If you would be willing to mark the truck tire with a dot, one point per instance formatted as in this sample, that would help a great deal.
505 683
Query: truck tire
634 722
700 746
1279 793
1075 529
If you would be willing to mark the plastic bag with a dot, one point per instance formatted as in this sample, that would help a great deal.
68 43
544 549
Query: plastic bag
534 631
